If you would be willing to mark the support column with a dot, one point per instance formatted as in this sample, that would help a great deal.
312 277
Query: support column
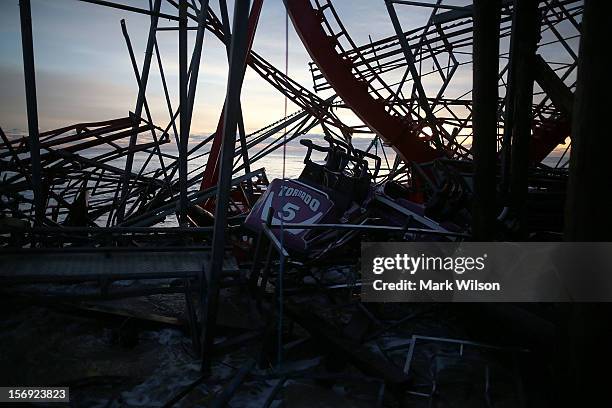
484 116
232 103
241 132
589 199
506 145
525 27
587 209
184 112
32 108
140 102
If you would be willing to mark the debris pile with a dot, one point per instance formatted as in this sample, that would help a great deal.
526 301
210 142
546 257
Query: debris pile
142 266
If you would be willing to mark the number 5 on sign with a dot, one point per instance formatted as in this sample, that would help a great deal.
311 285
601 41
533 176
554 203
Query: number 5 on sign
288 212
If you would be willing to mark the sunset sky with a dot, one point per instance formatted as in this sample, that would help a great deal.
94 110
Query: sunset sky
83 71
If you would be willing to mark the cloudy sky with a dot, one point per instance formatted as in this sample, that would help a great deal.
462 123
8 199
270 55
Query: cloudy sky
83 71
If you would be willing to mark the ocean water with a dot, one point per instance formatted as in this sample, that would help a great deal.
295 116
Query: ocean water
287 162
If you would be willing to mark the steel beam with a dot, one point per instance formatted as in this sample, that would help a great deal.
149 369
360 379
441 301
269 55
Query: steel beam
25 14
587 213
430 5
140 102
184 109
526 29
132 148
484 116
155 14
416 78
195 61
232 100
211 171
241 131
560 94
587 216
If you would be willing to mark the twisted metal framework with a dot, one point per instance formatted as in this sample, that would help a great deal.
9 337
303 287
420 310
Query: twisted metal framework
92 187
407 90
397 74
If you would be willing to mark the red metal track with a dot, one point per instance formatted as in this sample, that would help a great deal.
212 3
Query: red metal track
400 133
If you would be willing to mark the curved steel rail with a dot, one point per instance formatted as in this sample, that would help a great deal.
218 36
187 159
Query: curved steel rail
350 72
400 132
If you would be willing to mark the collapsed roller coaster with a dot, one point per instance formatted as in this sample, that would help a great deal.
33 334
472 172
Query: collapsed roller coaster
402 104
405 95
